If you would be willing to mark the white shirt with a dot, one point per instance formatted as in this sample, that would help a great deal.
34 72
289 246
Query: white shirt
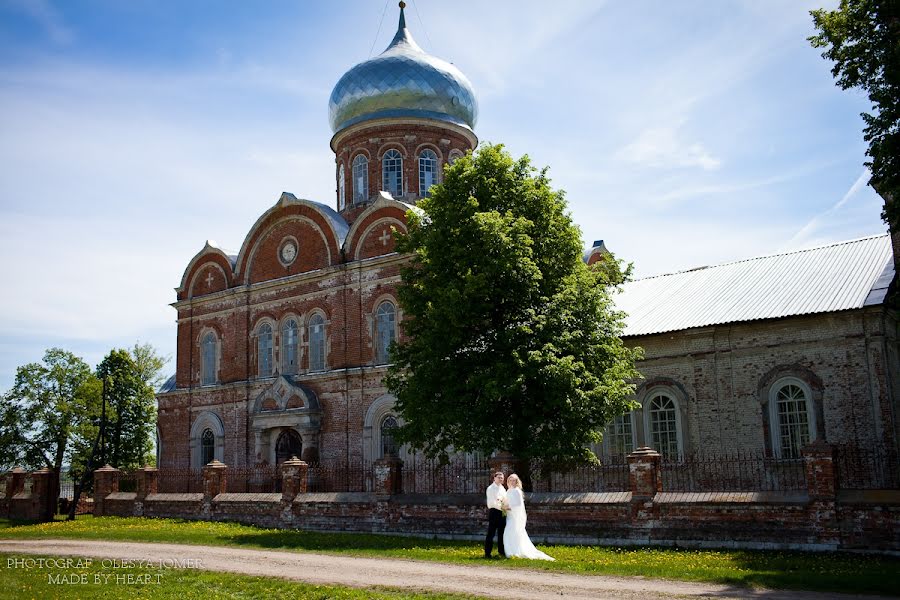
495 495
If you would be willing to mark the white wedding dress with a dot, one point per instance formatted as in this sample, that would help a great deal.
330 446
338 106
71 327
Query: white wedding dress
515 539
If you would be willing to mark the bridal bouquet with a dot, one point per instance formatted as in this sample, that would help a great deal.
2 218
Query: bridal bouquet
502 506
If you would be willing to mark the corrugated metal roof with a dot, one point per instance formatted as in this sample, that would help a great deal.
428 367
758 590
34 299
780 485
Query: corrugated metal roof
830 278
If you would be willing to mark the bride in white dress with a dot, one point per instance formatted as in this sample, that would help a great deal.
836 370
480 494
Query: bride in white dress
515 539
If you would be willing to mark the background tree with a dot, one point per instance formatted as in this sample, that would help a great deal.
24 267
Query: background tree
511 342
39 416
131 406
862 38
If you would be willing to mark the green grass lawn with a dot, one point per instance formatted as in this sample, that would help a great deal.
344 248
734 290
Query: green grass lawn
792 570
95 581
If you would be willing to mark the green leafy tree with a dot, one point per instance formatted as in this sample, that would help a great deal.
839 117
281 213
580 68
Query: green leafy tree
862 38
131 407
44 411
510 341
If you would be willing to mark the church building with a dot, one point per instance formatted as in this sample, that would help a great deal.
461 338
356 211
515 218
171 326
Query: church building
283 345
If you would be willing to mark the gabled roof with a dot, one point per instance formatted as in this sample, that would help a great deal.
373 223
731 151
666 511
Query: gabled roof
836 277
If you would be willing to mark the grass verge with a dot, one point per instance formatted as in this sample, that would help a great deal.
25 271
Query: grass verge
25 577
836 572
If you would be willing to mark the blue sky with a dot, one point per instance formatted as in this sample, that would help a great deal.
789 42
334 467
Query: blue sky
685 134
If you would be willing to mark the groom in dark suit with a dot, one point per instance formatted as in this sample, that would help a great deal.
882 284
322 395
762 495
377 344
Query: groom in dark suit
496 499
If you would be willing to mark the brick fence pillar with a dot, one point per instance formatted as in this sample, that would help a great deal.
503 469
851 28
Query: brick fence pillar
106 481
147 482
293 478
43 504
821 477
215 479
507 464
643 473
15 481
388 473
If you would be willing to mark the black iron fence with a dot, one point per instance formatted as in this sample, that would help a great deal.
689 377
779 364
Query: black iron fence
611 475
732 472
180 480
855 468
339 477
462 475
867 468
256 479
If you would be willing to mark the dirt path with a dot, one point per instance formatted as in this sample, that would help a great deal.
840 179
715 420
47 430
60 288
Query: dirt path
485 581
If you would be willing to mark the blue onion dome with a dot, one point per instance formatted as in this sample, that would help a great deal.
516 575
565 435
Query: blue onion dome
403 81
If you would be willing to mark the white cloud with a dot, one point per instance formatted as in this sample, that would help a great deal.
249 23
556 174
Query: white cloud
662 147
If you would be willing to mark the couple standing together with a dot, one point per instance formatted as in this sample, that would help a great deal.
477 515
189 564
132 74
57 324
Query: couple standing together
506 519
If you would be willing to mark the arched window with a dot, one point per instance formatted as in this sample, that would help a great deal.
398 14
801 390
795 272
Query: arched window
289 345
385 331
316 343
392 173
264 350
619 437
341 187
428 171
360 179
663 421
208 348
792 417
388 444
207 447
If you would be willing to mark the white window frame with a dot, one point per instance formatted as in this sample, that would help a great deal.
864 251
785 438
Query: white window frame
287 346
261 358
382 353
342 188
392 169
775 421
611 433
650 396
209 365
428 163
360 178
317 348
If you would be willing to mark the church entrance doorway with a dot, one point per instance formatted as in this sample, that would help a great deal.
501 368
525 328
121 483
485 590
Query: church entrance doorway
289 444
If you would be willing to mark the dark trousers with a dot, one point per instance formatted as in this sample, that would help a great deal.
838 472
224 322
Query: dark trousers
496 525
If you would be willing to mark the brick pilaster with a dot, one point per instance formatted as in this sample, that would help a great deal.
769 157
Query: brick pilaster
388 476
106 481
293 478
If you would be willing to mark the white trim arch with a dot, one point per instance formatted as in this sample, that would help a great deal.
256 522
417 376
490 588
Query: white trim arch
785 393
664 423
207 420
378 410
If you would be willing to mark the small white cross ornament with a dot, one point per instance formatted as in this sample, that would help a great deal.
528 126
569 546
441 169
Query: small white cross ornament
385 236
209 279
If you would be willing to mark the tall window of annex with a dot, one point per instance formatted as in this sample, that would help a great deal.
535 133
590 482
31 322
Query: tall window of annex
289 346
392 173
264 350
316 343
619 437
341 187
428 171
663 420
208 349
207 447
360 179
793 422
388 443
385 331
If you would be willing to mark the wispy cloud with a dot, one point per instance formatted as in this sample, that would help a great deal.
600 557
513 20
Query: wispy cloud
806 232
47 17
